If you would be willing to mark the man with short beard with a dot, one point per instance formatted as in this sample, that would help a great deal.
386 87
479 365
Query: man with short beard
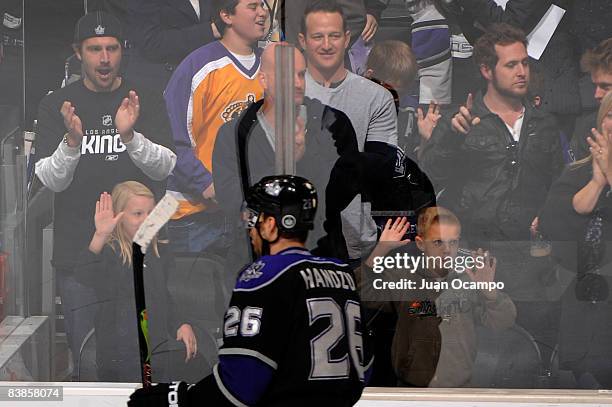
94 134
500 153
497 157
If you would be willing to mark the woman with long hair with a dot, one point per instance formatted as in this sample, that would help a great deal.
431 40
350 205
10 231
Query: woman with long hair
583 186
107 267
600 146
577 218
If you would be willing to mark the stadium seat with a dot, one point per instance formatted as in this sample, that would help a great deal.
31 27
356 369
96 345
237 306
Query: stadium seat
87 359
198 289
507 359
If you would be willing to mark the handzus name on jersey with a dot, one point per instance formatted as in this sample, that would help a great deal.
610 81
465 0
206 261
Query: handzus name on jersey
316 278
105 144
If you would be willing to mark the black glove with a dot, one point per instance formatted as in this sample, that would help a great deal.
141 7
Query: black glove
160 395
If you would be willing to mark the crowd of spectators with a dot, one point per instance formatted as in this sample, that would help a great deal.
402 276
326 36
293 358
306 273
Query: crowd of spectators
180 97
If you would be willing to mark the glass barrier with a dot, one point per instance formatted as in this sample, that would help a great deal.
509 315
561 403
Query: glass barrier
13 238
482 314
387 108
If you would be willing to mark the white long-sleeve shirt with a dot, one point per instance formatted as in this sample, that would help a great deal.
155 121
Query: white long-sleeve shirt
57 171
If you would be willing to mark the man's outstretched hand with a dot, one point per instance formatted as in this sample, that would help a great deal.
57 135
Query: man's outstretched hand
127 116
463 120
73 124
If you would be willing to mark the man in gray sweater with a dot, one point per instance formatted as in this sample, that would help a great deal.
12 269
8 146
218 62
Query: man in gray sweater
370 107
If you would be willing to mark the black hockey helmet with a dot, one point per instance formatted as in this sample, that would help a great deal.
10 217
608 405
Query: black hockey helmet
290 199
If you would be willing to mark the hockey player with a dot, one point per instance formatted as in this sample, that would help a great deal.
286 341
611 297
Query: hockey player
292 332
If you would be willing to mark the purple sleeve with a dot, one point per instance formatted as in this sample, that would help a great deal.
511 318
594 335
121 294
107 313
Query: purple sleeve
430 41
189 175
245 377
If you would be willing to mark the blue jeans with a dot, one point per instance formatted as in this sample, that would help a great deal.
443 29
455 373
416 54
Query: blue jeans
79 305
199 232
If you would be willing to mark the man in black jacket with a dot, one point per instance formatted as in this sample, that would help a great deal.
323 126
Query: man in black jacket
498 156
163 32
322 135
557 63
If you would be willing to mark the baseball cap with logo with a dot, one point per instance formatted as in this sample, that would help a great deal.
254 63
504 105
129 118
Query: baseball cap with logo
97 24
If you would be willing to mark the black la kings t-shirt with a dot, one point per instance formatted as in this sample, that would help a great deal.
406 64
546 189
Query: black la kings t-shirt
104 160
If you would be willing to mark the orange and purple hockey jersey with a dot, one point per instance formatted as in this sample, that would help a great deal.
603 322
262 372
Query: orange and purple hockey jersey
209 88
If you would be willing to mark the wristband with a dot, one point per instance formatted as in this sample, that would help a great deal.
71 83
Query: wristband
65 141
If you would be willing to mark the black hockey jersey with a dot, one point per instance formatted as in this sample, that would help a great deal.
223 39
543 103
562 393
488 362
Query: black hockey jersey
292 336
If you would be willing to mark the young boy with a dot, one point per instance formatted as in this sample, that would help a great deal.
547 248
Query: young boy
213 85
435 335
393 65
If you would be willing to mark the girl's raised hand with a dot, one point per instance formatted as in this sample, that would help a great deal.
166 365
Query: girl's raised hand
105 218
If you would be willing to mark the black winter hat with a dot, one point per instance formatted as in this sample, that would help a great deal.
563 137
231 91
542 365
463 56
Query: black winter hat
97 24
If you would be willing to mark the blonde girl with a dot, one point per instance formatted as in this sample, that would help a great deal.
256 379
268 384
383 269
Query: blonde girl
106 266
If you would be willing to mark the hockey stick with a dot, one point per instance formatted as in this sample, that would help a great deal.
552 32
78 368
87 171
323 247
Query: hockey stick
143 237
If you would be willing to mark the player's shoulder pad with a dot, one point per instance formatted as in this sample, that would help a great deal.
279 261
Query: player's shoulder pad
269 268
